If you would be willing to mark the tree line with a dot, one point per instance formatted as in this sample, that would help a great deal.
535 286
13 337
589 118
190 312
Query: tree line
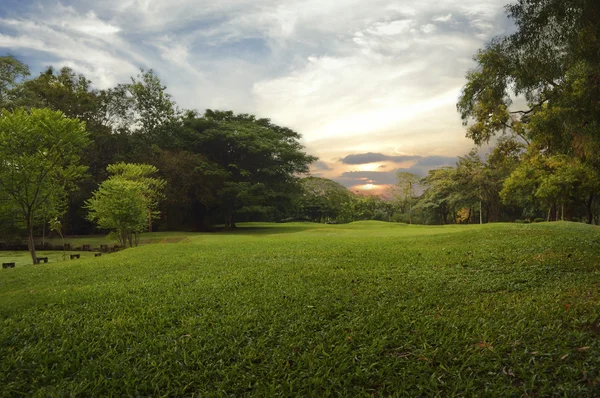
215 168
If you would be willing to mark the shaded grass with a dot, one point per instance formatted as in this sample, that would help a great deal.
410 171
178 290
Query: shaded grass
96 240
303 309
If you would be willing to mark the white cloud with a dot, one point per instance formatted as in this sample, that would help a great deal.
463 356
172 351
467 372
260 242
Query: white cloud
349 75
443 18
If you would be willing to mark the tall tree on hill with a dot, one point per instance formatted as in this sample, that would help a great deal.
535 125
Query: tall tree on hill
553 63
12 73
256 163
39 163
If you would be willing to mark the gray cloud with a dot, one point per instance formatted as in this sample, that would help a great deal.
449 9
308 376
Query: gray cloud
420 168
422 161
320 165
371 157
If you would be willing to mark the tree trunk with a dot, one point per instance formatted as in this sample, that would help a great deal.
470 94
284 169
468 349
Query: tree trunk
480 214
31 242
590 211
149 221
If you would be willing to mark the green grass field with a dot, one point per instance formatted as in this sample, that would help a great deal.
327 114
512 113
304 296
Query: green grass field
364 309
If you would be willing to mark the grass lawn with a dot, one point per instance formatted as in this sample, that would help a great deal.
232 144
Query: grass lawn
96 240
363 309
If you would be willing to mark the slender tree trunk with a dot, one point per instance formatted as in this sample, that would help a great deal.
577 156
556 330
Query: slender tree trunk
149 221
480 213
590 212
562 212
31 242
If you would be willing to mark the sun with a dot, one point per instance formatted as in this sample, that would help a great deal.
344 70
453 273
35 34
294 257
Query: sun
370 166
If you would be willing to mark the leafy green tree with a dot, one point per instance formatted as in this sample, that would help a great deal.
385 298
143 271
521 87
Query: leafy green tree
12 72
144 174
154 113
39 163
127 201
255 163
439 197
500 164
407 187
552 61
551 182
323 199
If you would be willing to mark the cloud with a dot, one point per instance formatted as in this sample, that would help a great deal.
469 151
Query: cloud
320 165
370 157
425 161
384 175
443 18
351 76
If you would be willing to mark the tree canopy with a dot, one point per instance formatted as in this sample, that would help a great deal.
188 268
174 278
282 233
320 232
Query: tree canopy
40 151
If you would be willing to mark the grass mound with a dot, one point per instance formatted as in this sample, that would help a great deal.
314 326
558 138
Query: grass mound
312 310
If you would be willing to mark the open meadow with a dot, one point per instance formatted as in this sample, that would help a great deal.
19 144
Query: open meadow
362 309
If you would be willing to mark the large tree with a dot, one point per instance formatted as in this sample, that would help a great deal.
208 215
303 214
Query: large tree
254 164
39 164
323 199
552 62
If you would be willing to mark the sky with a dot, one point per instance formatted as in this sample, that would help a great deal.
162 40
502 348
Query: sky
371 85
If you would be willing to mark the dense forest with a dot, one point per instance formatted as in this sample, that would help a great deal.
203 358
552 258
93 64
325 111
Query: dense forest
533 99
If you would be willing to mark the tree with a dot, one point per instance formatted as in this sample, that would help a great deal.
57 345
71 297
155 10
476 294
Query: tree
39 163
155 113
439 196
12 72
470 179
127 201
407 184
255 164
551 182
143 174
552 61
323 199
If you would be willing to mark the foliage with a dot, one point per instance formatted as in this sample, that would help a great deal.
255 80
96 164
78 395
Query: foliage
39 164
127 201
407 185
552 62
253 163
312 310
324 200
550 182
12 72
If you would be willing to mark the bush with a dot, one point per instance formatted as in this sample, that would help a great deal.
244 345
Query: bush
539 219
521 221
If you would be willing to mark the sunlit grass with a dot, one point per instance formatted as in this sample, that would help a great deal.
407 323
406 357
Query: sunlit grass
299 309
